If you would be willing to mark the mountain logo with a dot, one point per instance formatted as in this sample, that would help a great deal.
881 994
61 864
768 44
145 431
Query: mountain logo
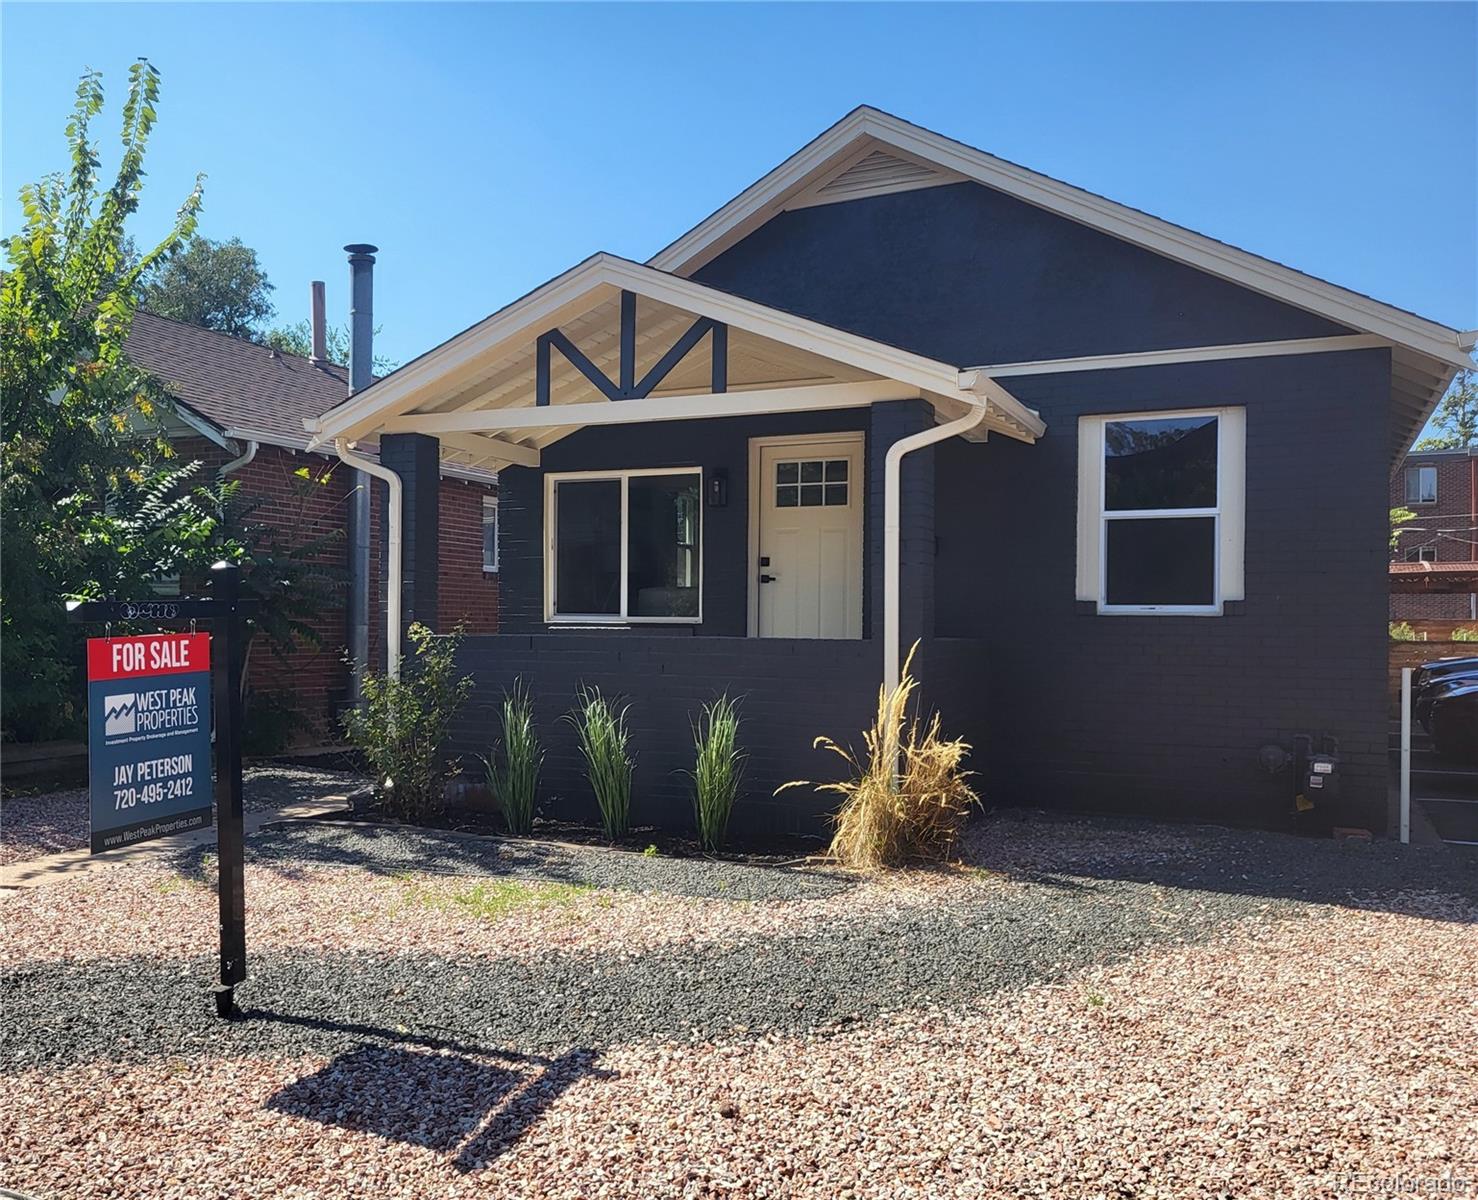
120 713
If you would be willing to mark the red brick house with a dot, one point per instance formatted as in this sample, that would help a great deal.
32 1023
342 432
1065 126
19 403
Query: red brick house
240 411
1441 488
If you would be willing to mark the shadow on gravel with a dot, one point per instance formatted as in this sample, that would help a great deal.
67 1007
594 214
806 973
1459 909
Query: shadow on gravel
1048 849
472 1102
305 846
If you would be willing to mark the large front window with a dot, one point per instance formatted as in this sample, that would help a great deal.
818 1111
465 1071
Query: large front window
1161 511
626 546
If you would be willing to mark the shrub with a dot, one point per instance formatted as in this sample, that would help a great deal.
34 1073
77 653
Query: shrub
1401 631
908 797
718 770
1465 635
402 725
601 728
513 767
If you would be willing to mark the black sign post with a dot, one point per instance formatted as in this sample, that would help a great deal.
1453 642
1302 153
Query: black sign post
227 611
230 833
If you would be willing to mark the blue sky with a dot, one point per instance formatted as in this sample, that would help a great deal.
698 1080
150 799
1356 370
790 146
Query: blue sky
486 147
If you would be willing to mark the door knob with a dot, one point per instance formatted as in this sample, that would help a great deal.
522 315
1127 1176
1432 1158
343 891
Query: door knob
767 579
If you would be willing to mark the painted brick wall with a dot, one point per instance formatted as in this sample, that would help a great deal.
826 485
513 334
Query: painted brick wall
789 692
1159 714
1165 714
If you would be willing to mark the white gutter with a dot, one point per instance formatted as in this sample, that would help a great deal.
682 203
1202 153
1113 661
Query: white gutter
392 570
237 463
892 521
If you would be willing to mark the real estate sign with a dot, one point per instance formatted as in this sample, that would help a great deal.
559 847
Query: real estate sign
148 724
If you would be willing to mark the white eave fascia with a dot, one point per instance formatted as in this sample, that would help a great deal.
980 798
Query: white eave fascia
402 390
763 199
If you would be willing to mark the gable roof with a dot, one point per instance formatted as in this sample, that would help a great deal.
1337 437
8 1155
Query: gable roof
869 152
244 389
466 387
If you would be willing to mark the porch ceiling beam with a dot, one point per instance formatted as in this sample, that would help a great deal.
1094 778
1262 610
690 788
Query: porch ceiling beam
1155 358
485 447
657 408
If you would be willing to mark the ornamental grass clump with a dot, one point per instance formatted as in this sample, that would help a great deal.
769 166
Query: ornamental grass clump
601 729
514 765
717 771
908 796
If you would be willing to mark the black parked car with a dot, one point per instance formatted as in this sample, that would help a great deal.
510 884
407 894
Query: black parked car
1452 720
1436 679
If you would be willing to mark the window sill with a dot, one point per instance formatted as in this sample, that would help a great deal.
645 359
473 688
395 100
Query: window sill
1090 608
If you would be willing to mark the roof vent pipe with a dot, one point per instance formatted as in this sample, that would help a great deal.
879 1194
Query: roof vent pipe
361 375
317 327
361 315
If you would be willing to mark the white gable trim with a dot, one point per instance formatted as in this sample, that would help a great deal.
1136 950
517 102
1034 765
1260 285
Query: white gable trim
758 203
872 170
450 365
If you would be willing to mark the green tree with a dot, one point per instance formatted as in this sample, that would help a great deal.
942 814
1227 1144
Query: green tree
217 285
1456 418
298 339
93 504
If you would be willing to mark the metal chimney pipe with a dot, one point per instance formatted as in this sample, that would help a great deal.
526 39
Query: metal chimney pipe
319 352
361 375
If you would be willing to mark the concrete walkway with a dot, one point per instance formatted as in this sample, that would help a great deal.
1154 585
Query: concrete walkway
36 871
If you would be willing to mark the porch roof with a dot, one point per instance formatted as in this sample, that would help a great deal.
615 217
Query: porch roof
480 391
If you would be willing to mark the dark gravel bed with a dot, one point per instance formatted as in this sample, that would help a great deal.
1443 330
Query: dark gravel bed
139 1009
390 849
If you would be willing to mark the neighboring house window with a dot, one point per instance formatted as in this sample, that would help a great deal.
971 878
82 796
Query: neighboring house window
490 533
624 545
1421 485
1422 554
1161 499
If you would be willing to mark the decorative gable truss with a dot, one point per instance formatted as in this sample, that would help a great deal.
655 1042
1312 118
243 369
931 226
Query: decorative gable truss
629 387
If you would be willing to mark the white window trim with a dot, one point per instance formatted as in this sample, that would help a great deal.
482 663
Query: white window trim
1229 581
550 548
1419 468
491 503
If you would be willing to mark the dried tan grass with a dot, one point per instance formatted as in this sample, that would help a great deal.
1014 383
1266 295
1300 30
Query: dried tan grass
908 796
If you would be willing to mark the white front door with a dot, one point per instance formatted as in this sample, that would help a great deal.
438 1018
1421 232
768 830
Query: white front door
808 548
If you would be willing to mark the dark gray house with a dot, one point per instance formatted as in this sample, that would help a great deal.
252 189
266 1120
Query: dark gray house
902 390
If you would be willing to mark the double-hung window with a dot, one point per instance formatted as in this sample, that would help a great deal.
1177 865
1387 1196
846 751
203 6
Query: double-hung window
624 546
1421 485
1160 511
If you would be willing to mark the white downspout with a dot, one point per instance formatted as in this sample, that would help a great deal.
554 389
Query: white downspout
237 463
891 521
392 570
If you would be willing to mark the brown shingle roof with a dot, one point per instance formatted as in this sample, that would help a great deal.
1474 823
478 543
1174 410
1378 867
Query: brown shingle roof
235 384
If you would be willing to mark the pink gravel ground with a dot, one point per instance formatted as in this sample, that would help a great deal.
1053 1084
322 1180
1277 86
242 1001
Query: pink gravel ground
1313 1057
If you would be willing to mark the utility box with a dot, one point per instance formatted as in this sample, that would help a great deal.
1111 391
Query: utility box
1321 777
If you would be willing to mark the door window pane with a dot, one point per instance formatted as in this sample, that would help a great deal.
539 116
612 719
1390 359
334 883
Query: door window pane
1161 561
662 513
587 516
1167 462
